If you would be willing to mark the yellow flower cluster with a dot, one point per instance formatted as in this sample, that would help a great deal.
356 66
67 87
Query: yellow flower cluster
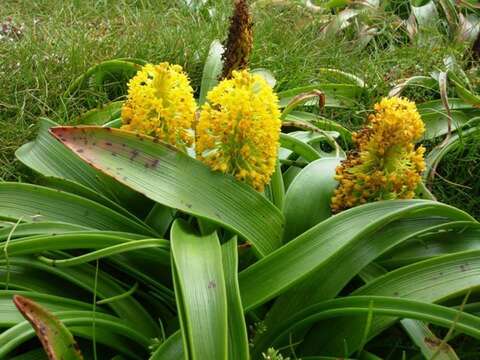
160 103
385 164
239 128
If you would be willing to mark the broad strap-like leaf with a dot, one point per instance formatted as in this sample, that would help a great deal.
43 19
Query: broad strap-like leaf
43 228
336 250
429 281
49 158
238 348
102 115
436 123
32 203
299 147
418 331
435 156
336 236
9 316
355 243
200 292
307 202
56 340
211 70
378 305
30 273
174 179
170 349
441 240
109 330
95 76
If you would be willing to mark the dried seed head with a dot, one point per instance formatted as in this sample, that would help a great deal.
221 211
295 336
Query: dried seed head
240 40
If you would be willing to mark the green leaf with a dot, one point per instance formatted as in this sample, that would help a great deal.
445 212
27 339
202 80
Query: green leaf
338 235
152 244
432 281
238 347
200 284
49 158
336 95
266 75
101 115
436 123
30 274
160 218
109 330
434 157
426 82
440 240
277 187
174 179
56 340
336 250
32 203
299 147
211 70
466 95
118 68
437 105
83 191
340 76
9 316
289 175
308 198
70 241
170 349
354 305
418 331
44 228
320 122
336 3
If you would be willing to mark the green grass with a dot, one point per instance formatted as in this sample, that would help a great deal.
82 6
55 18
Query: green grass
61 39
461 165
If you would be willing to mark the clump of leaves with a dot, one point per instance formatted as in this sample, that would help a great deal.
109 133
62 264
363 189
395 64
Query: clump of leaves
125 230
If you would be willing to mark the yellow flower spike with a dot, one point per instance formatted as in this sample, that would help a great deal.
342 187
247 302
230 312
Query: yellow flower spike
386 164
160 103
239 128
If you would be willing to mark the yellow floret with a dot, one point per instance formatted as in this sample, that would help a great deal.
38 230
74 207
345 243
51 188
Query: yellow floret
239 128
160 103
386 164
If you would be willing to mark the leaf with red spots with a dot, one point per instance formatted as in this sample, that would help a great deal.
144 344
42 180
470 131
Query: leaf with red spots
172 178
56 340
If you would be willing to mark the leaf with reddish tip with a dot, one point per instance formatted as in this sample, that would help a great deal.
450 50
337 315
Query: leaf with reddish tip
56 340
172 178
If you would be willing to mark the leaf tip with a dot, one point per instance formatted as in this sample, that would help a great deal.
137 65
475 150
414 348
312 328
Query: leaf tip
22 303
58 132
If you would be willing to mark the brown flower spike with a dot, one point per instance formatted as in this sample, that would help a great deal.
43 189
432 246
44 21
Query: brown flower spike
240 40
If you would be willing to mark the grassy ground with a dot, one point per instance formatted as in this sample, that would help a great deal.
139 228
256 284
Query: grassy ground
61 39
